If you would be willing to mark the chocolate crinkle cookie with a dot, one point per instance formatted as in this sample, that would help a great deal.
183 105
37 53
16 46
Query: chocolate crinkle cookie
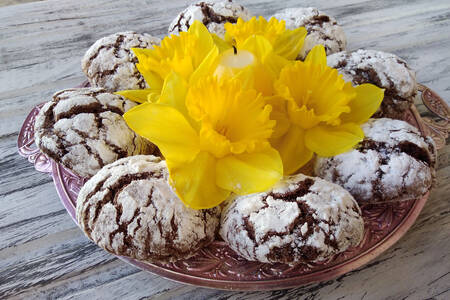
213 14
384 70
128 208
302 219
109 63
322 29
393 162
84 130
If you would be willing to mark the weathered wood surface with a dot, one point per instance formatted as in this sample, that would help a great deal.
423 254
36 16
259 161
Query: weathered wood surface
44 255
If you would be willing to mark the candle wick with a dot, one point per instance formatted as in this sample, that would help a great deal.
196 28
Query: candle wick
235 50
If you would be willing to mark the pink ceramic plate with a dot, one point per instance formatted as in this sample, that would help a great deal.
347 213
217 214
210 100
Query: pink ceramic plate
217 266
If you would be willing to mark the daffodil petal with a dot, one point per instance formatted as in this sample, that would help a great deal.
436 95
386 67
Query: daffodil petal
207 66
204 42
166 127
279 114
282 125
249 172
275 63
139 96
257 45
153 97
317 56
292 149
364 105
262 79
289 44
153 80
195 182
174 93
221 44
333 140
246 77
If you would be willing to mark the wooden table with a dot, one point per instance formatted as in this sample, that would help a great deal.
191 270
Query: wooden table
42 252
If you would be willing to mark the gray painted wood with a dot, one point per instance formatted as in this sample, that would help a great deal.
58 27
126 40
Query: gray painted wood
44 255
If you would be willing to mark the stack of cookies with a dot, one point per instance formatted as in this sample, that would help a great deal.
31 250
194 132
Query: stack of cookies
128 207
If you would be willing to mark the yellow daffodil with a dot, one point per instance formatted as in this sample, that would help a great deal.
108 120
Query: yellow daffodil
285 42
260 50
190 55
317 111
214 135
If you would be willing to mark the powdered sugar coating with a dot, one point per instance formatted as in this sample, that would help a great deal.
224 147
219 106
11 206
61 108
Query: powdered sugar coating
322 29
393 132
393 73
213 14
385 70
110 63
84 130
302 219
394 162
128 208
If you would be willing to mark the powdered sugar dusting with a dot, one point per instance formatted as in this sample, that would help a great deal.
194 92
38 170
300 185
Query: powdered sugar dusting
288 224
393 132
392 71
276 217
383 171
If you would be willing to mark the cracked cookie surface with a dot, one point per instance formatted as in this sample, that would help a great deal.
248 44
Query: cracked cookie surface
109 63
84 130
393 162
212 14
322 29
302 219
129 209
384 70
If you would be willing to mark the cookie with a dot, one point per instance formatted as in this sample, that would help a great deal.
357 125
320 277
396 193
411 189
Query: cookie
393 162
302 219
83 129
110 64
322 29
128 208
213 15
384 70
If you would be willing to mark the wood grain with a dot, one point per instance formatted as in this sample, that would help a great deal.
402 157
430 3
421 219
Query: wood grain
44 255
